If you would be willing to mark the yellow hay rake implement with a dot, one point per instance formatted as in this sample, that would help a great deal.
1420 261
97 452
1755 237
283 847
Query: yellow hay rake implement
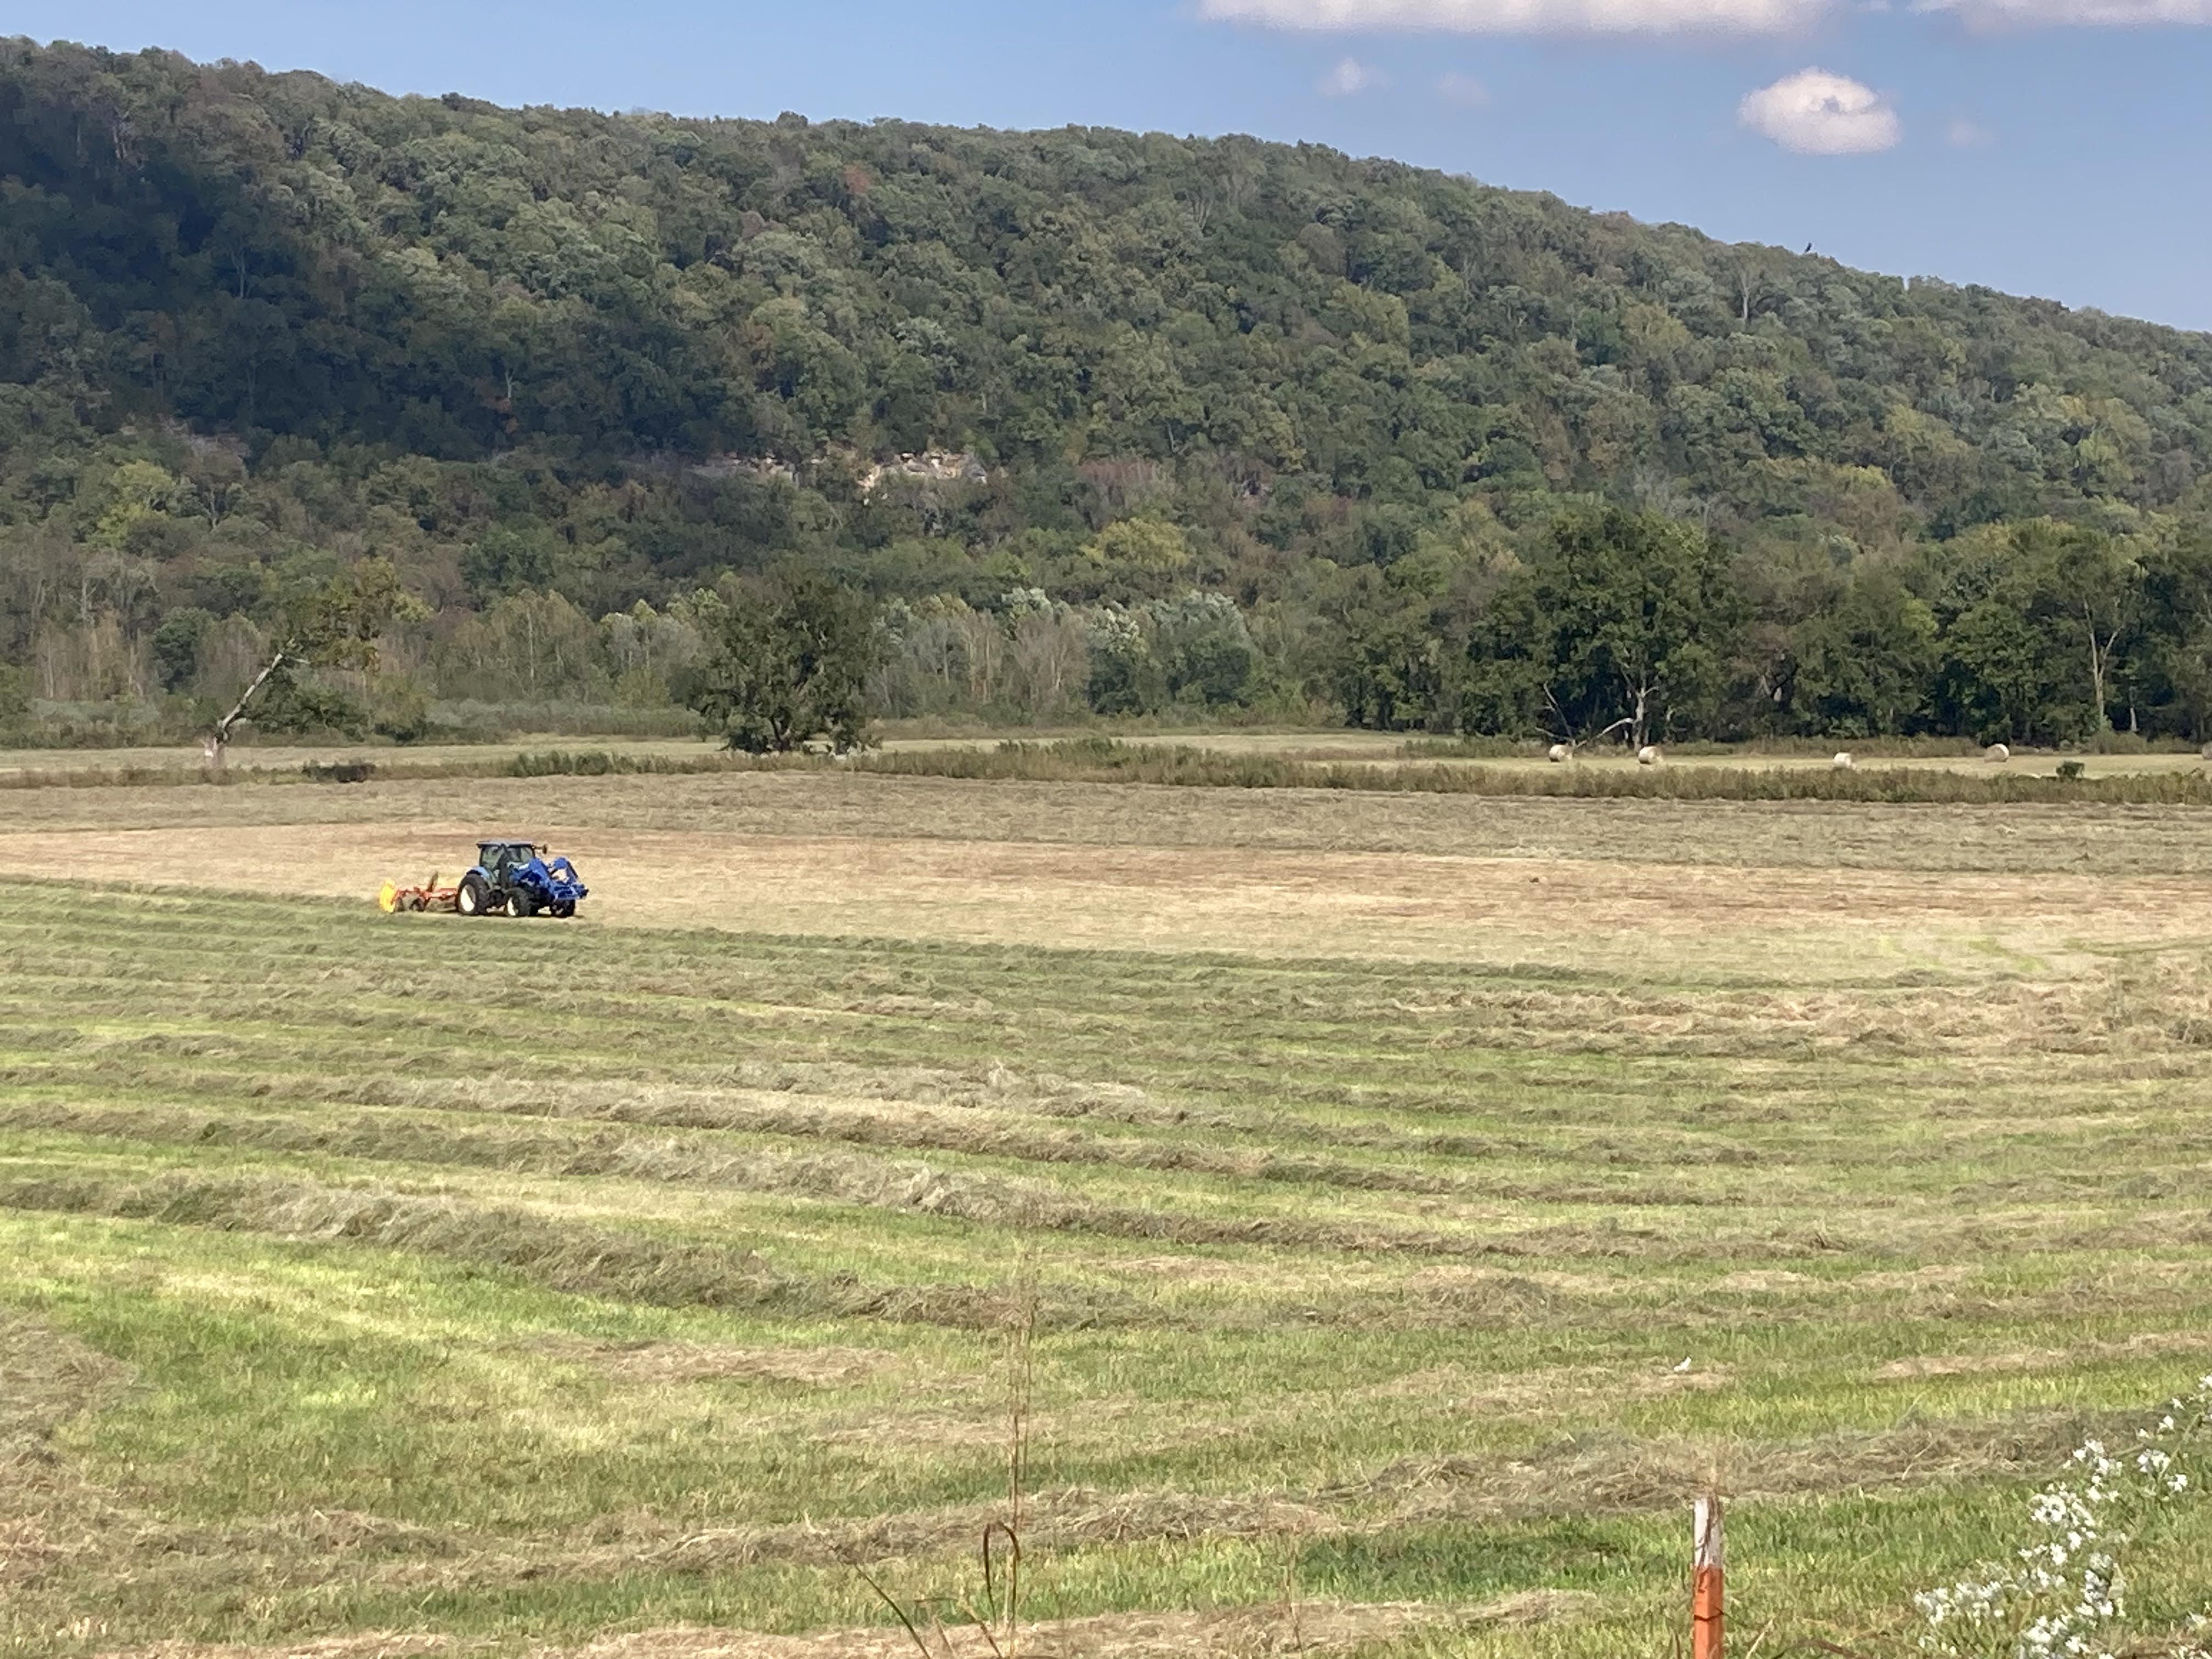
391 897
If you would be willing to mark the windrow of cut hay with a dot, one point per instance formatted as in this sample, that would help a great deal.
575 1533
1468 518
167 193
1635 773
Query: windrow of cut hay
696 1274
562 1256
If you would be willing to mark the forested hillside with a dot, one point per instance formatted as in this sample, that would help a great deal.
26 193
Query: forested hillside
1107 423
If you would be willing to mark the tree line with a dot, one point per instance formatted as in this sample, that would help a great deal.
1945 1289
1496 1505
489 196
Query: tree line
1620 624
1623 625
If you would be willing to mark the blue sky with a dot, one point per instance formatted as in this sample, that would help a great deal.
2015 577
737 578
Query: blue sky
2004 142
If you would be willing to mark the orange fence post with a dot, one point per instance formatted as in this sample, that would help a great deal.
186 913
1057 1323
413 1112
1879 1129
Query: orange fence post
1706 1581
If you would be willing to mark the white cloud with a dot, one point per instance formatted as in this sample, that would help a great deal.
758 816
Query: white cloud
1536 16
1350 78
1817 113
2052 14
1461 89
1968 134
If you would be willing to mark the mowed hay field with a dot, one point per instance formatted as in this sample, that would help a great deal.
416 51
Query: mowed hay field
1369 1167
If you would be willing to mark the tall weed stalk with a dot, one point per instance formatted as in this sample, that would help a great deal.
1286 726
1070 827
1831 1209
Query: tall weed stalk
997 1620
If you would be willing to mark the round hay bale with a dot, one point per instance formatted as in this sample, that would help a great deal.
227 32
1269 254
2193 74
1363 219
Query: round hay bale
1997 752
1557 752
2205 753
1648 755
1843 762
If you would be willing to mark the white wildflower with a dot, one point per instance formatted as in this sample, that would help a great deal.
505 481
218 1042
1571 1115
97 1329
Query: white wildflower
2063 1594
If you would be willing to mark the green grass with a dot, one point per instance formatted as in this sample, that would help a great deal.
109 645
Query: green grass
523 1282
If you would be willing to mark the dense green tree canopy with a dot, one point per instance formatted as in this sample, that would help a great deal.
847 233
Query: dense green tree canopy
787 665
1627 623
1054 394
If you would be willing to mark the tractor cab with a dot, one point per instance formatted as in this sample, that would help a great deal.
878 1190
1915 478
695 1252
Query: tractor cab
499 859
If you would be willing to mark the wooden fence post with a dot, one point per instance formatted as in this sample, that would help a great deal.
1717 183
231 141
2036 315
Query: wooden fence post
1706 1586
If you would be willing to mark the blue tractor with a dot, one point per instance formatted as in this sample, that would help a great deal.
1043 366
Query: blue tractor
513 877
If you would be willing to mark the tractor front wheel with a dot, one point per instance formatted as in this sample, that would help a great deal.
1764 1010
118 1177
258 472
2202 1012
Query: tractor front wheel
474 896
565 909
519 904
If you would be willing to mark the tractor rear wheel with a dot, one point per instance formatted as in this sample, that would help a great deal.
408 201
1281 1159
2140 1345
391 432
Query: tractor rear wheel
474 896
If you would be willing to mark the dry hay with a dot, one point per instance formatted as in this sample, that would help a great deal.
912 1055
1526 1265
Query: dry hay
1177 898
931 1431
1254 1632
1613 1473
1761 1281
1056 1520
1064 1519
810 1098
879 1122
1250 1632
654 1364
1936 1275
667 1272
1222 1634
2148 1344
1480 1291
49 1512
1546 1388
2071 839
580 1258
1203 1270
1536 1607
46 1378
1580 1476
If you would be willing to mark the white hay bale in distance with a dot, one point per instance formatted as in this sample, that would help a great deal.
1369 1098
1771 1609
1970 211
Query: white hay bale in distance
1557 752
1997 752
1648 755
1843 762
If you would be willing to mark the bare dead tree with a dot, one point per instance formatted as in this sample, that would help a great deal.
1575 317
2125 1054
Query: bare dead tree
335 626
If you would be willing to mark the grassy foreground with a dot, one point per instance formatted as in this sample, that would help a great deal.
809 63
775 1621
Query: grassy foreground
522 1282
